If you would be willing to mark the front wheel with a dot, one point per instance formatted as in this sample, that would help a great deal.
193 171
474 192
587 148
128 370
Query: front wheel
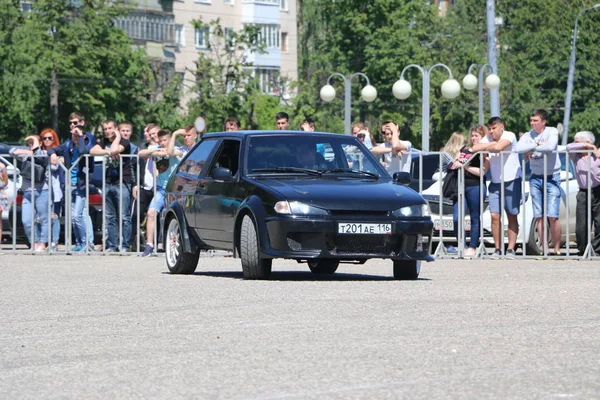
253 266
407 269
323 267
178 261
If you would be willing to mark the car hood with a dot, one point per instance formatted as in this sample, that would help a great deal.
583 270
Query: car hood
346 194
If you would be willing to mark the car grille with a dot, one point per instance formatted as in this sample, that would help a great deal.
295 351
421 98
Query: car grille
362 245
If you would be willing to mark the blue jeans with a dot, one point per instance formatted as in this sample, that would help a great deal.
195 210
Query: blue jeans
553 194
472 204
40 209
114 212
56 221
81 219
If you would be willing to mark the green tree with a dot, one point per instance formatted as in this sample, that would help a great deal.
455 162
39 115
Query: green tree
66 56
225 85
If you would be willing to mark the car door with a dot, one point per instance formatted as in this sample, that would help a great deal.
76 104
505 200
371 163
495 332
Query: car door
190 181
222 198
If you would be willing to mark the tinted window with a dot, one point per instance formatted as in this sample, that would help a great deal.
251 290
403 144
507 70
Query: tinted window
430 166
319 152
194 164
228 156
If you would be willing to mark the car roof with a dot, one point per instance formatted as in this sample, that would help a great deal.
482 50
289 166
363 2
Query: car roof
241 134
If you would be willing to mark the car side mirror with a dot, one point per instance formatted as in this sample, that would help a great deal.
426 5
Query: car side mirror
403 178
222 174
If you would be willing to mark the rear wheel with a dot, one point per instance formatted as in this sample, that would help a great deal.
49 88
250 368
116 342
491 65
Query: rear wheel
324 266
535 246
253 266
407 269
178 261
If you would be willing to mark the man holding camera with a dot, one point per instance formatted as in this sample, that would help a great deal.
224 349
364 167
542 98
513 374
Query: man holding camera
77 147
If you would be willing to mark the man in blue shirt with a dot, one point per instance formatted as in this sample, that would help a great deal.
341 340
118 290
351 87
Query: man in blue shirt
72 150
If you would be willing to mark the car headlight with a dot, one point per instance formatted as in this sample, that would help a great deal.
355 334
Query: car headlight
297 208
420 210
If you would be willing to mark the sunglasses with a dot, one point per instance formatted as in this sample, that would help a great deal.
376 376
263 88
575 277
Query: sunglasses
360 136
73 122
48 138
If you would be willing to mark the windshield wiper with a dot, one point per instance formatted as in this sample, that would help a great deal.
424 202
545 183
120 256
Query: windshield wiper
351 171
288 169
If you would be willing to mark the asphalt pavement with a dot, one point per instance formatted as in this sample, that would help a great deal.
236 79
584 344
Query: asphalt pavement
122 327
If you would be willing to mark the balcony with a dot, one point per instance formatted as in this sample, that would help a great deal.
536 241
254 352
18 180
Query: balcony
145 27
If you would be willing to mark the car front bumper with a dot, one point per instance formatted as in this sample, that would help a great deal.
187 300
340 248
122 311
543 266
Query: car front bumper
301 238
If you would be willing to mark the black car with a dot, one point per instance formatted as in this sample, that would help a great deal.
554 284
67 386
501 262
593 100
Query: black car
265 195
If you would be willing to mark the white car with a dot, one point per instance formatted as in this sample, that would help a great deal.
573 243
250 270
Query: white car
14 184
527 234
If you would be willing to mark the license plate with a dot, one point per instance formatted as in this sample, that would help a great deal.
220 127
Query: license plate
444 224
448 225
364 229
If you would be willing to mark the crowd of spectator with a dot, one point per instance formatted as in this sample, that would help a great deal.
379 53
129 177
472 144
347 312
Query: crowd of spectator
135 178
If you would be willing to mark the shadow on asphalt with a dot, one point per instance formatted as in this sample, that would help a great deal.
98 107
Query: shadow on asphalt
303 276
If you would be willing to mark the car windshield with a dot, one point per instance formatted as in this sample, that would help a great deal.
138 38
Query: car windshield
311 154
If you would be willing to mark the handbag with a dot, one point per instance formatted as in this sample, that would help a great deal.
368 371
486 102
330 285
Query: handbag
450 185
39 172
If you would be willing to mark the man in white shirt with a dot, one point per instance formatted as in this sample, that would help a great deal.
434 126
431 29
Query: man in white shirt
506 171
395 152
540 144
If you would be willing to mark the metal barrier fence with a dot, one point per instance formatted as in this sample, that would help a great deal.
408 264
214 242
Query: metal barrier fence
18 193
532 246
442 209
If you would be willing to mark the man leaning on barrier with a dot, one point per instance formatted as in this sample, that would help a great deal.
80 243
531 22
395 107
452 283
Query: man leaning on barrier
587 165
506 172
118 186
539 146
77 147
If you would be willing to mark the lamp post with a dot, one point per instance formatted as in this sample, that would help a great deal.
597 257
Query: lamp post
470 82
571 75
368 94
402 89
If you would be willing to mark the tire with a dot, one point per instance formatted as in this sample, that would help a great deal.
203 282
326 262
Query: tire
253 266
324 266
534 243
407 270
178 261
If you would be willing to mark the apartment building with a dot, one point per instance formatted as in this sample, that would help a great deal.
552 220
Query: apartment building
151 25
276 18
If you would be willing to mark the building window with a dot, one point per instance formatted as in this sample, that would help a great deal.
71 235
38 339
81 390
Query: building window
269 35
283 5
284 42
201 38
268 80
26 6
179 35
229 40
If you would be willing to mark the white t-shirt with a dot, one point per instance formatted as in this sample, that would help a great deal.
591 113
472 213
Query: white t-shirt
507 162
394 162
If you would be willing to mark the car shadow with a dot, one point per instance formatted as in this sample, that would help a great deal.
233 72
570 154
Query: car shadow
291 276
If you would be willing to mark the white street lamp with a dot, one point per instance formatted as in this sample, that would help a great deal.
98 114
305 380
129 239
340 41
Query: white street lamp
572 74
368 94
402 89
327 93
470 82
